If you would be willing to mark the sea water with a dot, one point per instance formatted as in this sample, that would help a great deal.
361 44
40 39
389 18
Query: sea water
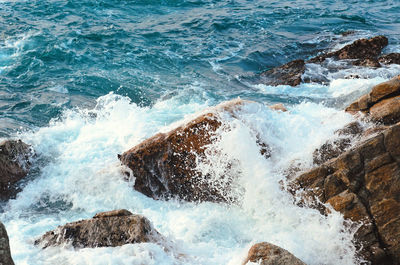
83 81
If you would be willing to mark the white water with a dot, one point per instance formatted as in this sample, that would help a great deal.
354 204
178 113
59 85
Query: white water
82 176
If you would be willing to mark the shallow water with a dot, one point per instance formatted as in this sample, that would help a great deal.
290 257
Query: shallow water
84 81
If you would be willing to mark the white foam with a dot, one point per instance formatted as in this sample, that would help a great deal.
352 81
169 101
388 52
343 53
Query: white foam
83 177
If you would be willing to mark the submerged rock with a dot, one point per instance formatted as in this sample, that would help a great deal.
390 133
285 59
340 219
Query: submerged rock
107 229
14 166
164 166
364 185
5 254
269 254
382 104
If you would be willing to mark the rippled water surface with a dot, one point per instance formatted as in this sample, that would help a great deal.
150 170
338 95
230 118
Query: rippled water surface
85 80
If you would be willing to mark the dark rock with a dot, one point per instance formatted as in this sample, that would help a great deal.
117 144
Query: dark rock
5 254
287 74
164 166
362 49
108 229
14 165
367 62
269 254
391 58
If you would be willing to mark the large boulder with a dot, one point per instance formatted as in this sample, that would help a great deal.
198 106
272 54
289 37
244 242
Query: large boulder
382 103
364 185
269 254
107 229
14 165
164 166
5 254
287 74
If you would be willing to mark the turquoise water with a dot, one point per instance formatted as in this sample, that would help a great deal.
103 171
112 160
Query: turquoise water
57 55
83 81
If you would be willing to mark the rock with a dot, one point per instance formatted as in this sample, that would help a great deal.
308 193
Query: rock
278 107
367 62
14 165
269 254
5 254
108 229
366 50
287 74
391 58
164 166
363 184
381 104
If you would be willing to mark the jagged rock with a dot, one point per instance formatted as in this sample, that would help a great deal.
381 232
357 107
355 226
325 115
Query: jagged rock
269 254
287 74
14 165
107 229
5 254
164 166
382 103
333 148
362 49
391 58
364 185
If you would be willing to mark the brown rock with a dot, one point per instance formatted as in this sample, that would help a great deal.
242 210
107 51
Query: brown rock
269 254
368 63
278 107
287 74
385 89
5 254
109 229
164 165
386 111
360 49
14 165
392 58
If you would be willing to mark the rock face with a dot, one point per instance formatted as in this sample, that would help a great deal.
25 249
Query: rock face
14 165
269 254
287 74
107 229
165 165
5 254
382 104
364 185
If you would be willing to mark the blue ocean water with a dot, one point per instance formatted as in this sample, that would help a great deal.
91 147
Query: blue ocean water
82 81
65 54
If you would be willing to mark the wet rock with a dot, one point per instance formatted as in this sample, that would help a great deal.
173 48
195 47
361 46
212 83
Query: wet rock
108 229
381 104
14 165
164 166
367 62
391 58
278 107
269 254
363 184
287 74
5 254
362 49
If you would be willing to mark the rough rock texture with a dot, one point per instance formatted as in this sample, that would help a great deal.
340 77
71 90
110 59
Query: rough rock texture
382 104
366 50
364 185
287 74
5 254
108 229
391 58
269 254
164 165
14 165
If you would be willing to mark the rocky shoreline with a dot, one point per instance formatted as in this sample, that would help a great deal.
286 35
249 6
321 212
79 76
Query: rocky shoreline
357 175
